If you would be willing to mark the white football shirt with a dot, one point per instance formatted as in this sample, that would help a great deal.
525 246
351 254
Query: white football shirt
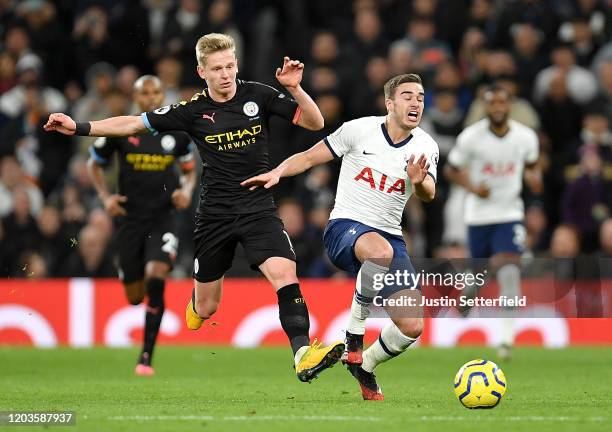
498 163
373 186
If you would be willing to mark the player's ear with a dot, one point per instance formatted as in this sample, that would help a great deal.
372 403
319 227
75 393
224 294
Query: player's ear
201 73
389 104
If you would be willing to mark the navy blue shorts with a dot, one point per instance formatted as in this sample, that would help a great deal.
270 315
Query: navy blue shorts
488 240
341 235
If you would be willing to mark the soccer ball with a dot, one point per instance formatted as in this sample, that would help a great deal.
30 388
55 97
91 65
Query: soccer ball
480 384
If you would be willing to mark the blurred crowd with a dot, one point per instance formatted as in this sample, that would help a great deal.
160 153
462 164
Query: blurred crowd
82 57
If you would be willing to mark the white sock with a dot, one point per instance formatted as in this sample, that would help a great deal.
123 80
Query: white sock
509 280
391 343
507 331
364 295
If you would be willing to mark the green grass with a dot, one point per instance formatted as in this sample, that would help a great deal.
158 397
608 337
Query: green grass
211 388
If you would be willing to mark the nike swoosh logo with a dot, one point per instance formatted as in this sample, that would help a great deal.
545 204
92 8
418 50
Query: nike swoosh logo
369 154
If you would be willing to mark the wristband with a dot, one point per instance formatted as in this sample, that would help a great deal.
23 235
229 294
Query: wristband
83 129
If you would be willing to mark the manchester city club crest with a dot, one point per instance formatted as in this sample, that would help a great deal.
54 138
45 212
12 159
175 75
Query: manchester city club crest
162 110
251 109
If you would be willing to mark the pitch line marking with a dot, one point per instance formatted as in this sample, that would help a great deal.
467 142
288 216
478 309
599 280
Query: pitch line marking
513 418
240 418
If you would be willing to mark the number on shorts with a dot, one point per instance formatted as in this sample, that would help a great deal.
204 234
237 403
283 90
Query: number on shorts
520 236
170 245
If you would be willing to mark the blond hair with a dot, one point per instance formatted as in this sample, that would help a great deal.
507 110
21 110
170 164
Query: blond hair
213 42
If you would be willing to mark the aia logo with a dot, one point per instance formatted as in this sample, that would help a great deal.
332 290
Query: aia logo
367 176
499 169
210 117
135 141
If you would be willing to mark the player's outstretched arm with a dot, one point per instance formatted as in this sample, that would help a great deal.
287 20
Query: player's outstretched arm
110 127
294 165
290 76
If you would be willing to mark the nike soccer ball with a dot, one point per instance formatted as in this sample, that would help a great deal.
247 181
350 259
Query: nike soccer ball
480 384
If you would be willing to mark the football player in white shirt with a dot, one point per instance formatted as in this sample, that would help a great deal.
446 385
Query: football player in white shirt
385 160
490 160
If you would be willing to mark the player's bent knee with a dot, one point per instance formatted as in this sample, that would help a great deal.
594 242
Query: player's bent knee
135 299
157 269
134 292
379 252
411 327
283 276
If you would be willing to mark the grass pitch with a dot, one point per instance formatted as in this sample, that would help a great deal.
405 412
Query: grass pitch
223 389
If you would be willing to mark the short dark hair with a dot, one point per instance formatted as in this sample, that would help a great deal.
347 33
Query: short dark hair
396 81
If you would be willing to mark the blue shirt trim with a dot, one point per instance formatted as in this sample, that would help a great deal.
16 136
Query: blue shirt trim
390 141
96 157
145 119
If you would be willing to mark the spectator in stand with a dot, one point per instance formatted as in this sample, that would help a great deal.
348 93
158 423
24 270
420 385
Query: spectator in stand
90 258
29 71
368 98
539 13
183 27
400 57
527 53
42 158
604 78
595 133
473 56
368 39
20 230
581 83
429 52
8 72
12 177
169 71
157 16
587 201
54 243
46 38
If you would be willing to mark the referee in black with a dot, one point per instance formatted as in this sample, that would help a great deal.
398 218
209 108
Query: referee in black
150 191
228 121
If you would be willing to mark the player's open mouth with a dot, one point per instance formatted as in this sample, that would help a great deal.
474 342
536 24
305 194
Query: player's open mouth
413 115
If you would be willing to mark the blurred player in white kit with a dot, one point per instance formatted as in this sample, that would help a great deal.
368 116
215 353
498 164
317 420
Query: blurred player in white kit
490 160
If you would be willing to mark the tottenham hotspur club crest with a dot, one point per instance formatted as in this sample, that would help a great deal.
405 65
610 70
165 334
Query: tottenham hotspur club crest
250 108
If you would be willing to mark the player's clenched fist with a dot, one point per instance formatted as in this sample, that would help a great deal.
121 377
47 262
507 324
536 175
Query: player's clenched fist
61 123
